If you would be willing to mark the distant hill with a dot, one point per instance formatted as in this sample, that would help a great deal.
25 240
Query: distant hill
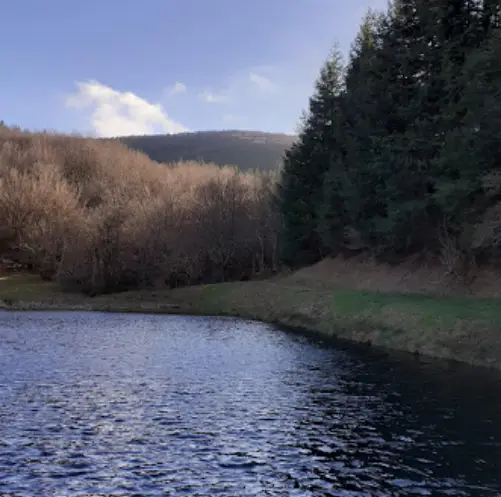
245 149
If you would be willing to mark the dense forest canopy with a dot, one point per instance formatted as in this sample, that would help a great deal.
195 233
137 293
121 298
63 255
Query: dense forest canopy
97 217
400 150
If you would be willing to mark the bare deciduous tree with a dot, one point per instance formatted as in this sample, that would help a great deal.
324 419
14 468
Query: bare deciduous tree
99 217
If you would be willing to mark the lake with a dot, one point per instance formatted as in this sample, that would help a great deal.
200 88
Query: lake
108 405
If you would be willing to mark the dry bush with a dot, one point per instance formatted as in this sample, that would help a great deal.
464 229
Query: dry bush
457 255
99 217
39 210
487 234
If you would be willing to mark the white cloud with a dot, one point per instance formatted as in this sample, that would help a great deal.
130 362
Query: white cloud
242 85
228 117
176 89
262 82
213 98
116 113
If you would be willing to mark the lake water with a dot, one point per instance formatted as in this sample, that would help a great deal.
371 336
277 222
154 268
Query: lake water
133 405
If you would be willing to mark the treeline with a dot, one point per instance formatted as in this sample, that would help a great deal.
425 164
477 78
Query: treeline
98 217
400 149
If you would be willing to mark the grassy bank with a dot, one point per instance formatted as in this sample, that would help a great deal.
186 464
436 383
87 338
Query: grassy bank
460 328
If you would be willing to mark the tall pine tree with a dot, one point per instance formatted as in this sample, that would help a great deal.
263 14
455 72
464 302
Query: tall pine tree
305 165
405 138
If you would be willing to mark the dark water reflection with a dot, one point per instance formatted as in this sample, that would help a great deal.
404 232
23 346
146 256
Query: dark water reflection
115 405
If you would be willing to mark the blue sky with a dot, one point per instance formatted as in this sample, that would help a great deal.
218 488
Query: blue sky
111 67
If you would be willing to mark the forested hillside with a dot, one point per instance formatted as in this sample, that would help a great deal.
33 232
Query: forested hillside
98 217
400 150
248 150
398 155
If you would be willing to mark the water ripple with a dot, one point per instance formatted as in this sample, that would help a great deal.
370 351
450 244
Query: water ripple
111 405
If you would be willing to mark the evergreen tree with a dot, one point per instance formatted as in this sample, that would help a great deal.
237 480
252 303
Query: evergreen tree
369 113
472 145
405 138
305 165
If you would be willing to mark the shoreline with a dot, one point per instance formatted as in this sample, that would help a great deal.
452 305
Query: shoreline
461 329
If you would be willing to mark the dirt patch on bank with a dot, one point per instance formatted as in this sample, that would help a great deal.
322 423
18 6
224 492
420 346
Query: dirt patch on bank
411 276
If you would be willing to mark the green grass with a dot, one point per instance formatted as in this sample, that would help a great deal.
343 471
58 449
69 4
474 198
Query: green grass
23 286
432 310
460 328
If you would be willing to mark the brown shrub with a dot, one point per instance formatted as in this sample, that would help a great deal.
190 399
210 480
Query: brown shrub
39 210
99 217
